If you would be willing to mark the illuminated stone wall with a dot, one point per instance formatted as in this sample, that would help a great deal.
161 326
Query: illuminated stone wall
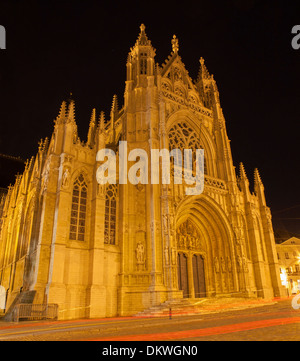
101 251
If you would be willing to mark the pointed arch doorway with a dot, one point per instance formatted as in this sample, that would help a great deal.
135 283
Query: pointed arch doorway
190 262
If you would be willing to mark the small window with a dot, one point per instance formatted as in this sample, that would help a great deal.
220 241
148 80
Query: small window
287 255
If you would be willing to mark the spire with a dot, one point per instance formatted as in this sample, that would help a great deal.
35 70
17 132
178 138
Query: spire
114 110
101 124
31 163
140 61
257 178
114 106
62 113
142 38
91 132
71 111
101 131
243 174
71 121
259 187
203 72
206 86
244 182
114 116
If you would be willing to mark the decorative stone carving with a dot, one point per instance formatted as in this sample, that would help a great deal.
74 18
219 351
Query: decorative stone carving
173 256
45 178
239 234
188 236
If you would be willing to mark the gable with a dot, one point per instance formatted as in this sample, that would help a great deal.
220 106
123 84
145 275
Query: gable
175 78
291 241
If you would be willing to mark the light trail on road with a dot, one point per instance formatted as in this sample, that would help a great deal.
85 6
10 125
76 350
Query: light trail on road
177 335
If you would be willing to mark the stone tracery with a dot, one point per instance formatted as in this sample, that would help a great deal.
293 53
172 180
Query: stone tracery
188 236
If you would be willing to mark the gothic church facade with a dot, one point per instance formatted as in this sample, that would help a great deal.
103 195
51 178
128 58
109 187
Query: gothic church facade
106 250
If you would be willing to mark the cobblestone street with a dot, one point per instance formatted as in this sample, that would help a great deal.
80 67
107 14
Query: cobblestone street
277 321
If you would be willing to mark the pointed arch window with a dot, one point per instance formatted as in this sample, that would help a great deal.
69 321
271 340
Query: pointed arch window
182 136
78 210
110 214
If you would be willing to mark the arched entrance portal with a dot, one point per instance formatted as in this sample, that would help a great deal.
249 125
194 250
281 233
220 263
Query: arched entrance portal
206 254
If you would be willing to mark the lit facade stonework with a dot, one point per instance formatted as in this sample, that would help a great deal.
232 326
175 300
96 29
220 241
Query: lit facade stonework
288 253
111 250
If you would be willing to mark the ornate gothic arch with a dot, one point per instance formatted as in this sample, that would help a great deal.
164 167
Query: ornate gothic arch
215 243
195 134
84 172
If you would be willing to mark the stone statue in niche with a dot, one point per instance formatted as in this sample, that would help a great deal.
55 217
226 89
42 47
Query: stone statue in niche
140 254
140 250
239 263
217 265
66 178
229 265
167 257
173 256
165 223
223 265
46 179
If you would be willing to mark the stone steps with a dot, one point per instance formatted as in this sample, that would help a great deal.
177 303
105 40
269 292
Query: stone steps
181 306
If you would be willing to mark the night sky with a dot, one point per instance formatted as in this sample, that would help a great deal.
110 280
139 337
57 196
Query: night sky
58 47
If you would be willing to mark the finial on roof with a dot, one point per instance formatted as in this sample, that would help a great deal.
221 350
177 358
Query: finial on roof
203 72
175 44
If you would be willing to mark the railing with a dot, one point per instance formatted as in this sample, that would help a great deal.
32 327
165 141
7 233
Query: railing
35 311
214 182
